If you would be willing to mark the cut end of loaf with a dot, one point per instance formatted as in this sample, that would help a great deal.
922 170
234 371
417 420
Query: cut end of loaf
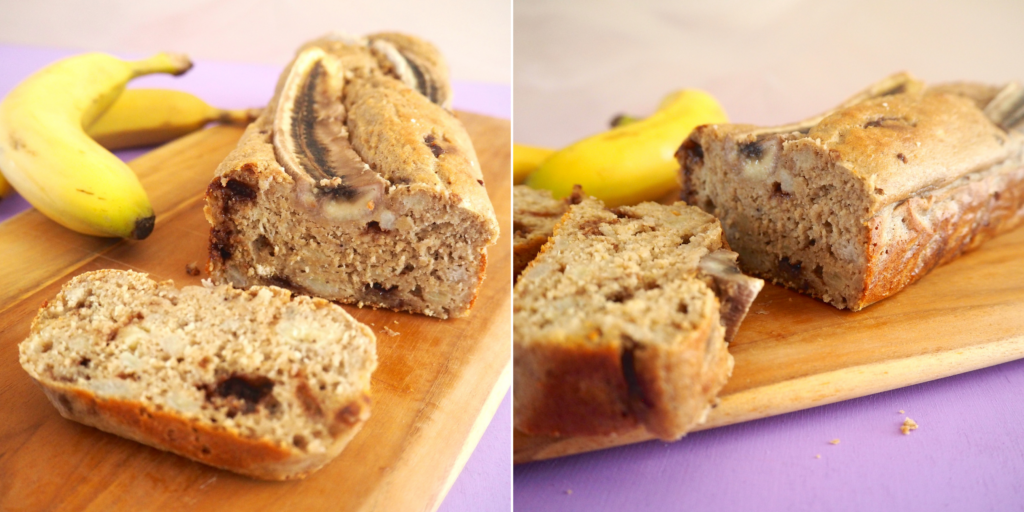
256 381
856 204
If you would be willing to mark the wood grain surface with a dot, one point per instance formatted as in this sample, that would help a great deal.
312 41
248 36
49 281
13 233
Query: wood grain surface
437 386
794 352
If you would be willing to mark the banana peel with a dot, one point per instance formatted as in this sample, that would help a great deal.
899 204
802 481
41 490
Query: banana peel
634 162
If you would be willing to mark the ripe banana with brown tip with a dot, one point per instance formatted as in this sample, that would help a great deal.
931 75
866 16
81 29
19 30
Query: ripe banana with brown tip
53 163
146 117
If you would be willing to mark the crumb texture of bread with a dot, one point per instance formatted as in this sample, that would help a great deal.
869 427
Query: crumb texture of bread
853 207
616 326
534 215
259 382
356 184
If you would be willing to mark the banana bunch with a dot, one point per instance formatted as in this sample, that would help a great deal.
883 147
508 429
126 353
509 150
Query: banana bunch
632 162
54 127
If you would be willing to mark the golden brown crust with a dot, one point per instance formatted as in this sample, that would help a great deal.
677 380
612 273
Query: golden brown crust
214 446
902 145
579 388
936 230
572 388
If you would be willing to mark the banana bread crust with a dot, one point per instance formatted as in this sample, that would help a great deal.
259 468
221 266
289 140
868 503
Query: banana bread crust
575 388
257 458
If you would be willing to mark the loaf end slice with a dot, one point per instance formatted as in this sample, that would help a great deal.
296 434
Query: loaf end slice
617 324
258 382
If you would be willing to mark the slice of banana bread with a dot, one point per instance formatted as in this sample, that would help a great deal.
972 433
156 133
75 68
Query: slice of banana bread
257 382
617 323
356 184
854 205
534 215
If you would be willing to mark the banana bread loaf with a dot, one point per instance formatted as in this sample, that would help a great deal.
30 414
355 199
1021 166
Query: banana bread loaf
257 382
356 184
854 205
622 321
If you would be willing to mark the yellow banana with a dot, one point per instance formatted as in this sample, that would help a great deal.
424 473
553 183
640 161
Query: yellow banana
631 163
50 160
145 117
526 159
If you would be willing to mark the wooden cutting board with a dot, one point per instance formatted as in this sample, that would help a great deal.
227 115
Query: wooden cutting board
794 352
435 390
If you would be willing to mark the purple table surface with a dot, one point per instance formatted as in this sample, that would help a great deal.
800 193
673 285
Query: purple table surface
485 482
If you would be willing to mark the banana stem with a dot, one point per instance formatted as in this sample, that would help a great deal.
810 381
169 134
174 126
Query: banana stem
163 62
623 120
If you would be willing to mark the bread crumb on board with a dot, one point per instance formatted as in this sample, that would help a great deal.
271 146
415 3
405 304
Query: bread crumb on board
834 441
818 456
908 425
901 411
390 331
568 491
192 269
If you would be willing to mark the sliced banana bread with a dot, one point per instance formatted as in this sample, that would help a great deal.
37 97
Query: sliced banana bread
617 323
854 205
534 215
257 382
356 184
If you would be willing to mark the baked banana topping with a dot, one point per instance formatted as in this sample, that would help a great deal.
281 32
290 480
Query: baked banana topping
311 140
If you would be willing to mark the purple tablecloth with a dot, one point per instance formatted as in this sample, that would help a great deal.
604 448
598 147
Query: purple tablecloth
968 454
483 484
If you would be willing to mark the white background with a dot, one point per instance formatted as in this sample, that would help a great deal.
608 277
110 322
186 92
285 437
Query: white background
468 32
579 62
